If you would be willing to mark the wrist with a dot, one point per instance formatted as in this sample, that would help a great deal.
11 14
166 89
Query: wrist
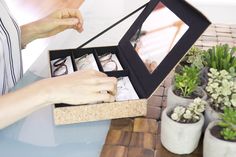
48 91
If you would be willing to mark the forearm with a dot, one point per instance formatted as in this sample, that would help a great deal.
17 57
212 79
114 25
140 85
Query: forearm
29 32
81 87
51 25
16 105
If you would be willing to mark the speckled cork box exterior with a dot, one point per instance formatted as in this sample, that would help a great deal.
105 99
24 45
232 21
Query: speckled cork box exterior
103 111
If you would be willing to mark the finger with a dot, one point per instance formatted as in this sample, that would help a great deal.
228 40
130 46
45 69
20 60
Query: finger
108 87
96 73
104 97
93 98
68 13
101 80
86 73
74 13
79 27
82 74
69 22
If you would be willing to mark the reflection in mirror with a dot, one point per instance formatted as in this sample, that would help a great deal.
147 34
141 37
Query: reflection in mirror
157 36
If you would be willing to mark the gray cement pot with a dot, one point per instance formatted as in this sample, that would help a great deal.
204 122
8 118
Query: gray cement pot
210 115
180 138
174 100
214 147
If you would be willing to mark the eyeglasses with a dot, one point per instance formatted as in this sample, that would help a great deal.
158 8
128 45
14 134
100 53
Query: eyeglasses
82 62
107 62
86 62
60 67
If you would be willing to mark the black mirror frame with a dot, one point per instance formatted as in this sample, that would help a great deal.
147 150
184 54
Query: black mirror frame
190 16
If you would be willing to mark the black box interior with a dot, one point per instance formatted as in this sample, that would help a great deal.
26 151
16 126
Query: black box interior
144 82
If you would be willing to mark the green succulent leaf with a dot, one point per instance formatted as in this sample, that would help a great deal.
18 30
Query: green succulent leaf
228 134
220 57
228 123
187 80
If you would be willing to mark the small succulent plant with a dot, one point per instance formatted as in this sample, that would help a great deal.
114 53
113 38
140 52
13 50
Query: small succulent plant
228 124
221 57
190 113
221 89
187 80
195 57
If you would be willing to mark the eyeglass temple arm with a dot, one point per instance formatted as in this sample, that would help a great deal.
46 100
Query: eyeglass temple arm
113 25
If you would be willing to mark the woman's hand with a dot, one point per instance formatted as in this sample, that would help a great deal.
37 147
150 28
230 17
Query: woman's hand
54 23
82 87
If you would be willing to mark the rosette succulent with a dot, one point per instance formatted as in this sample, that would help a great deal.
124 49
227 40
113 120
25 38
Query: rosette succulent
190 113
228 124
195 57
221 89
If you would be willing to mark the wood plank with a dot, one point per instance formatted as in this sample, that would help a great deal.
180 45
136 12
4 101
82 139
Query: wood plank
124 124
140 152
145 125
143 140
118 137
114 151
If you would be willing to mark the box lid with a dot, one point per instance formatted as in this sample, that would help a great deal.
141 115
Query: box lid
162 34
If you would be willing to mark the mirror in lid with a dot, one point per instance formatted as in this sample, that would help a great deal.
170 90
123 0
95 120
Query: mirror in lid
157 36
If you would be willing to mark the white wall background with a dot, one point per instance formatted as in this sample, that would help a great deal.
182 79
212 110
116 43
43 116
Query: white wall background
217 11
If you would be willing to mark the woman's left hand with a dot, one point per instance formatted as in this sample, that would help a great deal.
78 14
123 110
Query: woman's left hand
52 24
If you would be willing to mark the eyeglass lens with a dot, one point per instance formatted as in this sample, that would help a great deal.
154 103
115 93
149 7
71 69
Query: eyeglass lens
60 67
108 63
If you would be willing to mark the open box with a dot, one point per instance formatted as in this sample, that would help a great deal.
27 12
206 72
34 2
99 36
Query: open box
152 47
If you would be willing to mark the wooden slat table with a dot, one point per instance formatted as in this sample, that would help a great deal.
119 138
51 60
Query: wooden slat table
143 140
140 137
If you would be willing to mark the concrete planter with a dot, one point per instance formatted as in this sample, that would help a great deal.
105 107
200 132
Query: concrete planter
180 138
210 115
214 147
174 100
204 77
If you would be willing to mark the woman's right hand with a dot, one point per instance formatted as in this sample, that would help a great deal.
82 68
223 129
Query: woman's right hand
81 87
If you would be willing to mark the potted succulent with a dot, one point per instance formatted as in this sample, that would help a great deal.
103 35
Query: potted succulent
221 90
221 57
195 57
181 127
185 88
220 136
